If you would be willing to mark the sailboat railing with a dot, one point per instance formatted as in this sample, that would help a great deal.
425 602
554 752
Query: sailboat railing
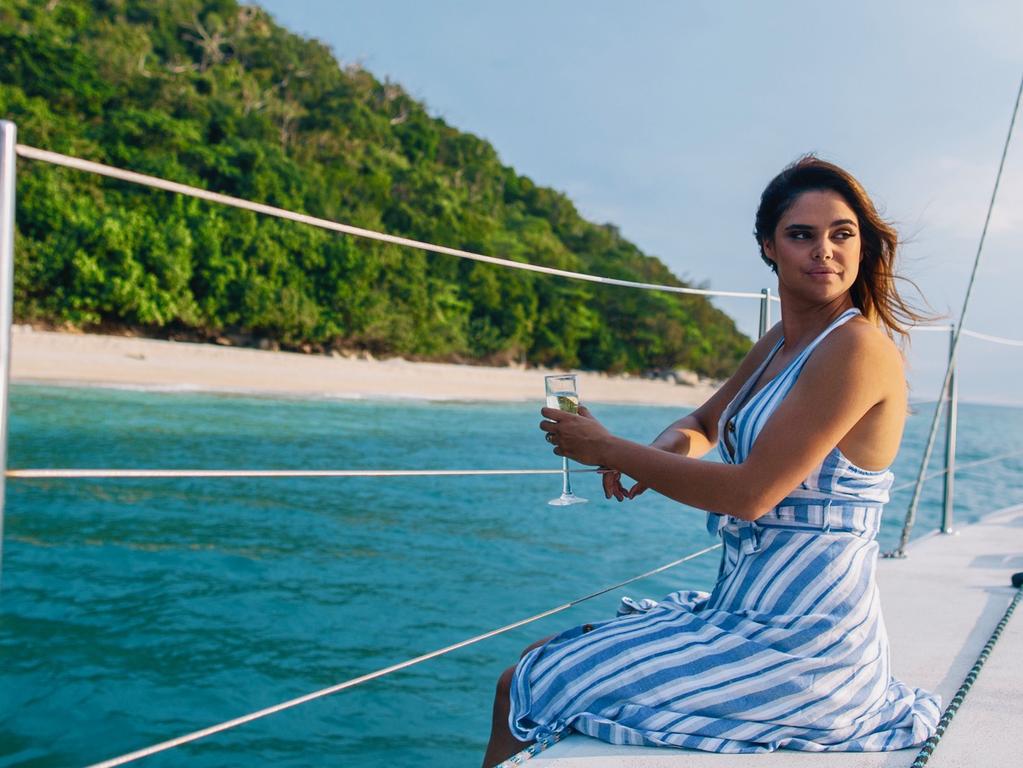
10 150
8 161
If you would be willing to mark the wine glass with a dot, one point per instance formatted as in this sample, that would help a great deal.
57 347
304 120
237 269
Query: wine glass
562 394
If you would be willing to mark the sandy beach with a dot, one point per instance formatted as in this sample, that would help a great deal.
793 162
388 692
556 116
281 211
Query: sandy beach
47 357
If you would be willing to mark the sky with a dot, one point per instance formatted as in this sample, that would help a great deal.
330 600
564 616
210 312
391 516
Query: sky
667 119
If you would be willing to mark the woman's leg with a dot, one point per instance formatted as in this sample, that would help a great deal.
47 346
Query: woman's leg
502 743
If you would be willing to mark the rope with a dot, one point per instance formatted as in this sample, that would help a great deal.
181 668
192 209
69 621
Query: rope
37 474
133 474
995 339
32 153
196 735
533 749
974 334
953 706
915 501
957 466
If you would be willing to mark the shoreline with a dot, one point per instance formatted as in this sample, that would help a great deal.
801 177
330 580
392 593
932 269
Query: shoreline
52 358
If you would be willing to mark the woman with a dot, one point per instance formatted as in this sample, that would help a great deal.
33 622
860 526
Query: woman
789 649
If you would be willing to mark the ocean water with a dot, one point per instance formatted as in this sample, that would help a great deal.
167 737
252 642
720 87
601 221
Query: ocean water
133 611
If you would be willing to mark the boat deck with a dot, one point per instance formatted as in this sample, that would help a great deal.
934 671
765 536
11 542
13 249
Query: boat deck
940 605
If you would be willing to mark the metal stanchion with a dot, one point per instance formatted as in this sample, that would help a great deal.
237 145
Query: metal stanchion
765 310
8 159
951 425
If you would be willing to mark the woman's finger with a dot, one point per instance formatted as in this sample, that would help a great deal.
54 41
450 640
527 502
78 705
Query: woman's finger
607 481
636 490
613 485
612 481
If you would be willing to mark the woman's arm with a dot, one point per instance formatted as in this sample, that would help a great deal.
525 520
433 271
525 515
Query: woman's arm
685 437
697 433
855 370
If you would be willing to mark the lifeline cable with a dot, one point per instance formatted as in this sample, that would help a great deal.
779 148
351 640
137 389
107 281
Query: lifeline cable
974 334
133 474
88 166
995 339
915 501
136 474
953 706
228 724
966 465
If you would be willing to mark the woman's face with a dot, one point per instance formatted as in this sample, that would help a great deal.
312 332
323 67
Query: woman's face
816 247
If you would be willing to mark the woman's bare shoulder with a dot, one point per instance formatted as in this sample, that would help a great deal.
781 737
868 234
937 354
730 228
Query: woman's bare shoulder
863 336
861 347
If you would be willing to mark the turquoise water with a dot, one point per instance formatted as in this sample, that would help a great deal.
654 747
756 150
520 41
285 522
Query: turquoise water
135 611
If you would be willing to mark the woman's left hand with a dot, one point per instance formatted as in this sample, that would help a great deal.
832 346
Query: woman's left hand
580 437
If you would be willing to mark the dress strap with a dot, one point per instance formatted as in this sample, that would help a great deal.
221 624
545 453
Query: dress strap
739 409
842 319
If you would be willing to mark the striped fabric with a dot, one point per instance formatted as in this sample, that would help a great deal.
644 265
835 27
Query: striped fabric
789 649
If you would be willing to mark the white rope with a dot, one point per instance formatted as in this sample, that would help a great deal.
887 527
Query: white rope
195 735
954 467
38 474
974 334
995 339
32 153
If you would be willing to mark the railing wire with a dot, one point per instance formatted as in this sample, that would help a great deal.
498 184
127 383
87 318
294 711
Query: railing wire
130 474
956 467
228 724
994 339
55 158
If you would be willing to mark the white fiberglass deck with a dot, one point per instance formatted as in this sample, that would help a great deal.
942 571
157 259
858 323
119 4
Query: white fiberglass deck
940 605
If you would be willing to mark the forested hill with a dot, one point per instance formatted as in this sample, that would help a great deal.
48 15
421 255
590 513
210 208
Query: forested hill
215 94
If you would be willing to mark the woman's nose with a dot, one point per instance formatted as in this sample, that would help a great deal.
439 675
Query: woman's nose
822 250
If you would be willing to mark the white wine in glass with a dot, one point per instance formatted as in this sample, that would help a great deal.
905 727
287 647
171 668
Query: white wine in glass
563 395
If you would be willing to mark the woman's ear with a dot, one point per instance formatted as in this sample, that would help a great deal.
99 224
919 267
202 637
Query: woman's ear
768 246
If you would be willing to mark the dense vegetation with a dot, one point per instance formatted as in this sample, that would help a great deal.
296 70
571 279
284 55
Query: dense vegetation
215 94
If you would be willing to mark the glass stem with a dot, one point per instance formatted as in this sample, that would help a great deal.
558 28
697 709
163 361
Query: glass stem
566 484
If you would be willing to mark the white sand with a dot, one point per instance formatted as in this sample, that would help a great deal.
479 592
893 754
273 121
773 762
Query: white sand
118 361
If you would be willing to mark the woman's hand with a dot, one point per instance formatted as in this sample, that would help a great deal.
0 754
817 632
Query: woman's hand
582 438
578 436
612 480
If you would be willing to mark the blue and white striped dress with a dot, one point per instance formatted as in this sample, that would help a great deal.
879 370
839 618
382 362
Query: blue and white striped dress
788 650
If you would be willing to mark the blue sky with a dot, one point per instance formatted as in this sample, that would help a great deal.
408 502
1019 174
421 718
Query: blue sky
668 118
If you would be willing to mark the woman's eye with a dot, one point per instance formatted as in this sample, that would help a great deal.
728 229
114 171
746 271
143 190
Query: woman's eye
844 234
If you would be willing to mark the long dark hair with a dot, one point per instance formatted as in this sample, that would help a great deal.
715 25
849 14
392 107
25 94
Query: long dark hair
874 292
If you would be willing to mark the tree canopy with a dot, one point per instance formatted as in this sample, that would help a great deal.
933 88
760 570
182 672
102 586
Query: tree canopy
215 94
